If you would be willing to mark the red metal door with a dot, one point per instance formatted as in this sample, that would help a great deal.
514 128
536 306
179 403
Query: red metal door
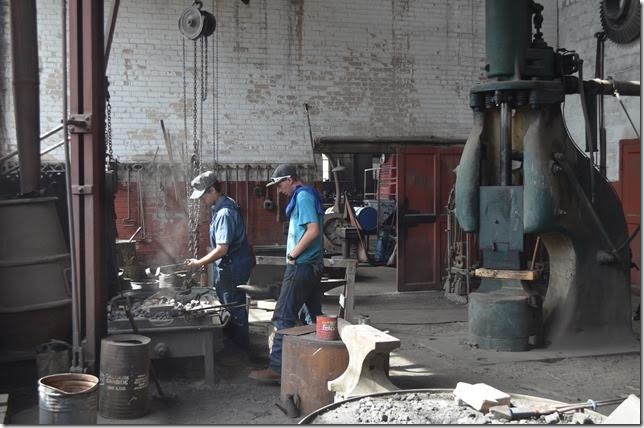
426 175
629 171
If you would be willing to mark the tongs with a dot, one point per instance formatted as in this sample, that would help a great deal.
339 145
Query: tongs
154 272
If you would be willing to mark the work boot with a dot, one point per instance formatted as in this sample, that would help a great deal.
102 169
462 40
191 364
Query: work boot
265 376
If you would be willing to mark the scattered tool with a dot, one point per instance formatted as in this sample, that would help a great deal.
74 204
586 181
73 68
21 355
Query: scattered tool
517 413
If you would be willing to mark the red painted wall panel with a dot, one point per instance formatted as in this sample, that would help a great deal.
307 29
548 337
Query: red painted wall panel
630 194
425 177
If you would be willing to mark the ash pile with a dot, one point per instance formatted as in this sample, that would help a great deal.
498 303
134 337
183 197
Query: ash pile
166 304
440 408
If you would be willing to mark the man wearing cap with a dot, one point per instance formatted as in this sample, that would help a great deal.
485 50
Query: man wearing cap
300 296
231 254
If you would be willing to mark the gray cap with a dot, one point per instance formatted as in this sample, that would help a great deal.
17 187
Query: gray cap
201 183
281 173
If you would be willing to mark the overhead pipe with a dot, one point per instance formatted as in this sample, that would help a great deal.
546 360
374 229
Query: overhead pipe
24 55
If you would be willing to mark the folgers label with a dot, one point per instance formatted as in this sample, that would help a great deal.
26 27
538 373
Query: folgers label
326 328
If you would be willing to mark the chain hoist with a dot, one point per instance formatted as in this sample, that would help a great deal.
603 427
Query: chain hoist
194 24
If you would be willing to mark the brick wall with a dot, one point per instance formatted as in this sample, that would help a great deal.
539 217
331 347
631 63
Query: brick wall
366 67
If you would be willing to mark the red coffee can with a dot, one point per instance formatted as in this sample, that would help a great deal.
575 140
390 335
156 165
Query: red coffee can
326 328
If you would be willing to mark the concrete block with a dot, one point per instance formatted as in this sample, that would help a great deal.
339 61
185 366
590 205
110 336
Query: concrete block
552 418
481 396
626 413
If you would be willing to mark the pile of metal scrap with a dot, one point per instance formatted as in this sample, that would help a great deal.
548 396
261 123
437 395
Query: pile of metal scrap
166 304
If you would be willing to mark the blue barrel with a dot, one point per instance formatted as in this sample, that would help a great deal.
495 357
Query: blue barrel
367 217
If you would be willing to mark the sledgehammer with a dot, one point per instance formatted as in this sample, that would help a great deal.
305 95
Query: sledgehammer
516 413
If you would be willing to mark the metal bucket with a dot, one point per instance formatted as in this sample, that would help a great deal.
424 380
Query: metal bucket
326 327
524 400
124 374
166 280
53 357
68 399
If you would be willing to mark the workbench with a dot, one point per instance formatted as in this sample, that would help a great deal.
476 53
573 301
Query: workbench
176 337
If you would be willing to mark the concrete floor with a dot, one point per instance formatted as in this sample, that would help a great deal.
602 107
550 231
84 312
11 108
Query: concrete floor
433 354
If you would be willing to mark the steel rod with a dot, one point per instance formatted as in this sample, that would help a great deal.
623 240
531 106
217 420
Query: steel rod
506 144
77 365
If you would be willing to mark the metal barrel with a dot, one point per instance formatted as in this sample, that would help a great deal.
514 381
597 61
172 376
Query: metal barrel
124 376
68 399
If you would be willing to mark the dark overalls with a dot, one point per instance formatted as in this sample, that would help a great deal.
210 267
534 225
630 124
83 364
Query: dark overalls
227 227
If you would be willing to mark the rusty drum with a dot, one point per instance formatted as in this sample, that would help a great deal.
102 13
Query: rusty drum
124 376
308 363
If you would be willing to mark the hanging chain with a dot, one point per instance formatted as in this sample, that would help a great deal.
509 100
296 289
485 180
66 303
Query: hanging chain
215 98
204 53
203 97
109 158
193 219
195 143
108 132
185 99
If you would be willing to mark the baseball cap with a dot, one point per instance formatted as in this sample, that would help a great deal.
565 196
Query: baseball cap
281 173
201 183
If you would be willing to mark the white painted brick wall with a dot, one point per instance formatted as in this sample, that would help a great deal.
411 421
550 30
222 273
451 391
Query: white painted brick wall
366 67
621 61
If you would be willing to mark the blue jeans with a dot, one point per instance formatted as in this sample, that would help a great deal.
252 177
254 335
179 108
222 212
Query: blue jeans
226 282
300 299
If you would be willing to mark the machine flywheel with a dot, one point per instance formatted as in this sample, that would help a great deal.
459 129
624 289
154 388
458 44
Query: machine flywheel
621 19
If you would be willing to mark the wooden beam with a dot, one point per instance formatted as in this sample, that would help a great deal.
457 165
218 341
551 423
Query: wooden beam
342 144
521 275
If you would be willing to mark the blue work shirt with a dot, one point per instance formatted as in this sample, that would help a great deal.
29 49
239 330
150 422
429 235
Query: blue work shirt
305 212
227 227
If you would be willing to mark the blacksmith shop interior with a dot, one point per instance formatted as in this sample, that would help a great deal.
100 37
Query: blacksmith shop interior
320 212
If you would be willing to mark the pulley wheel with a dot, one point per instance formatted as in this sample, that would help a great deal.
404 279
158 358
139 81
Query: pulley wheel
332 239
209 24
191 23
621 19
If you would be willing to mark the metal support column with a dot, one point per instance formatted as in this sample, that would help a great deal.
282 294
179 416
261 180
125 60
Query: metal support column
87 142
